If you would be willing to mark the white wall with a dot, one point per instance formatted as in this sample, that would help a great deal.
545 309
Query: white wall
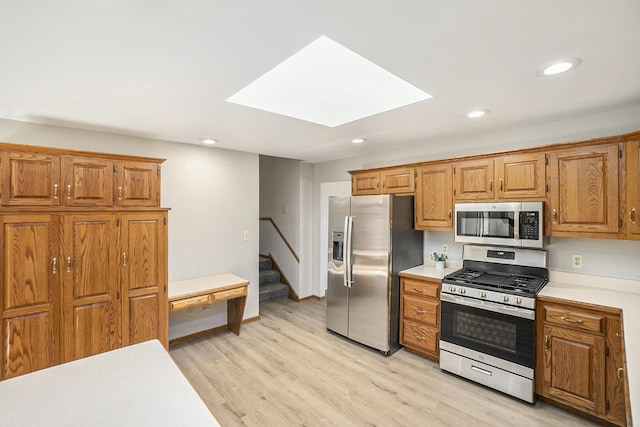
212 194
600 257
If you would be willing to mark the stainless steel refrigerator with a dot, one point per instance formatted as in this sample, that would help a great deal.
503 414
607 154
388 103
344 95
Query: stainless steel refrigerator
371 239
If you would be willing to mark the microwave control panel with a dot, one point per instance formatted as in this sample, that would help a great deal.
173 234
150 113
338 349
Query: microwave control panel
530 225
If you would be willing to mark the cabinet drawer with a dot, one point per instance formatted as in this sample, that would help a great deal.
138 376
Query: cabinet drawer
420 287
420 336
229 294
422 309
575 318
190 302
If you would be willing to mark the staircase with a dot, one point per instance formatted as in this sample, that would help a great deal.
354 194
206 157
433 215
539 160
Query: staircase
270 287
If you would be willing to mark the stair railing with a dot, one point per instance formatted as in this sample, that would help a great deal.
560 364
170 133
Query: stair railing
284 239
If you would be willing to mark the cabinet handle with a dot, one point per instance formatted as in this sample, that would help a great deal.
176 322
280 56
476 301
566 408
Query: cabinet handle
620 373
383 183
567 319
449 214
69 191
419 290
68 264
419 337
120 192
501 184
54 267
420 311
124 259
632 216
55 192
490 185
554 216
546 343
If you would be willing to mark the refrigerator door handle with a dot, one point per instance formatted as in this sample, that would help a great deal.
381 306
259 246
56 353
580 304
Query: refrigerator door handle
348 227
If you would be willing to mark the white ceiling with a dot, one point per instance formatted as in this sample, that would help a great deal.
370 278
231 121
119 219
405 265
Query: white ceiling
163 69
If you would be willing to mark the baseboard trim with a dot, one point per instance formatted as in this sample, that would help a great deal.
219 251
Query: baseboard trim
208 332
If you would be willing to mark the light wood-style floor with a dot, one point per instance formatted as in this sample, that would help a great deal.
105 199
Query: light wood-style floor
287 370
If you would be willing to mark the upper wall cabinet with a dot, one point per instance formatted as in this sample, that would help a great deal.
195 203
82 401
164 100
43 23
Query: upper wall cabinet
434 197
48 177
30 178
473 180
512 177
584 191
388 181
633 186
520 176
138 184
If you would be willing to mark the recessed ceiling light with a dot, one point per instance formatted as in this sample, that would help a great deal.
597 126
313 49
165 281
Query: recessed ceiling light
476 113
558 67
328 84
208 141
358 140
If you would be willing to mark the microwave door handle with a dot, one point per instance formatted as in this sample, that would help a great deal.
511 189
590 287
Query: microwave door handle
516 225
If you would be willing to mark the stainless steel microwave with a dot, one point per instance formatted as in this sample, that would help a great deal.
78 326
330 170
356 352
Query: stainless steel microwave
502 223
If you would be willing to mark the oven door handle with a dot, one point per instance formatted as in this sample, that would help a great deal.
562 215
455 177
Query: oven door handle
489 306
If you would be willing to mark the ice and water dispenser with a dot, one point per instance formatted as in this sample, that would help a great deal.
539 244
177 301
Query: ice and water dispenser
338 245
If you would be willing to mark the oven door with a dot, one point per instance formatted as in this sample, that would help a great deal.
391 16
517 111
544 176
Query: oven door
499 330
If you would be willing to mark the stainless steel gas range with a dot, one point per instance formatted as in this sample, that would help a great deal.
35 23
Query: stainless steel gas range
488 317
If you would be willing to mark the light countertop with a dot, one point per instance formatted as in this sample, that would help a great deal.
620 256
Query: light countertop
603 291
198 285
139 385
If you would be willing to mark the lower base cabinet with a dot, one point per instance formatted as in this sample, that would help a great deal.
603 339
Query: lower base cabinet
420 316
580 358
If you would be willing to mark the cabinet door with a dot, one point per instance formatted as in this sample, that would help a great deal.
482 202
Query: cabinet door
29 300
144 277
398 181
474 180
616 376
91 306
633 189
30 179
584 193
434 198
574 368
365 183
138 184
87 182
520 176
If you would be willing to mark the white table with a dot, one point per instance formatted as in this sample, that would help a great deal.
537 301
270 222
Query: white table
139 385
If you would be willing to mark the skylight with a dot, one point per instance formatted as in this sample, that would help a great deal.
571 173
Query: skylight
328 84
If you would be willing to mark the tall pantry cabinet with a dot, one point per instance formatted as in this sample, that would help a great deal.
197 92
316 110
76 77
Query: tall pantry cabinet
84 255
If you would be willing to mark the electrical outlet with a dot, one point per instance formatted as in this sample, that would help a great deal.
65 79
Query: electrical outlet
245 235
445 248
284 209
577 261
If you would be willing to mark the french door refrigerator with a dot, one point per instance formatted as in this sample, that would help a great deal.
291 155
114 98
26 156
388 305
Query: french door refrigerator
371 239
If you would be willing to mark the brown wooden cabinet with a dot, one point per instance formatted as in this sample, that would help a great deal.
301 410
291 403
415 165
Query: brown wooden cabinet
29 178
584 191
388 181
144 277
520 176
633 186
508 177
78 275
473 180
434 197
29 297
420 315
580 358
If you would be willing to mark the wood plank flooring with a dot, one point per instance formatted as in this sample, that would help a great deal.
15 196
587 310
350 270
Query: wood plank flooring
287 370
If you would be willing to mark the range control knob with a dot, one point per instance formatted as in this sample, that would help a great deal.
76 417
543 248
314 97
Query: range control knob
518 300
505 298
483 294
452 288
463 291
